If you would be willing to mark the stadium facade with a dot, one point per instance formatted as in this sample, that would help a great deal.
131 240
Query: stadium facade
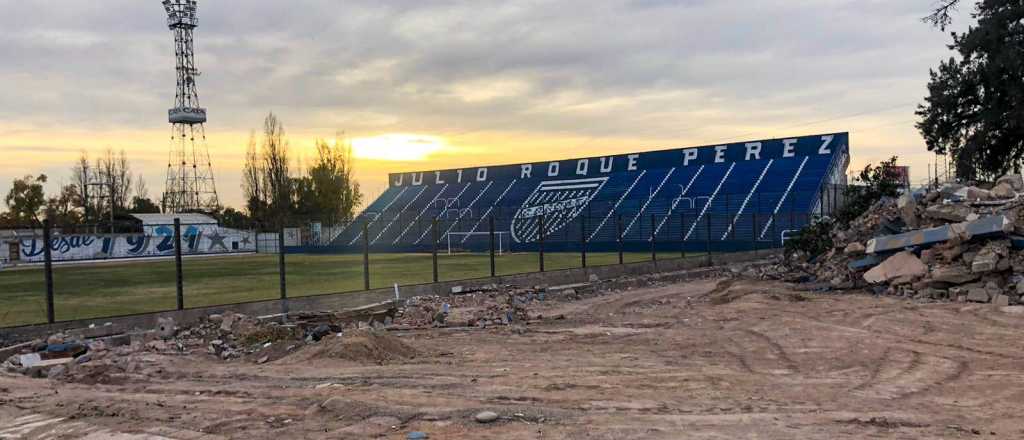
723 197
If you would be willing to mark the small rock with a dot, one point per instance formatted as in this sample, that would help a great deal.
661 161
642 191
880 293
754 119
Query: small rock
56 338
263 360
854 248
1001 301
165 328
594 278
486 416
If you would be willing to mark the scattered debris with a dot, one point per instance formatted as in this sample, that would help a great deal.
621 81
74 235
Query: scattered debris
954 243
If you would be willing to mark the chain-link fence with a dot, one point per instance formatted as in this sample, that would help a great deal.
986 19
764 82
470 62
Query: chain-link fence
82 276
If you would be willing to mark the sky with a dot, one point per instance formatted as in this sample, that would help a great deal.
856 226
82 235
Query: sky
424 84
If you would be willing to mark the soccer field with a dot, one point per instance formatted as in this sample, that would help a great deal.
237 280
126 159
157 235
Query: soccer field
119 288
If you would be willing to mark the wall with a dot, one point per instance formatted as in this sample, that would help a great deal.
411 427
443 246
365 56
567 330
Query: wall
76 247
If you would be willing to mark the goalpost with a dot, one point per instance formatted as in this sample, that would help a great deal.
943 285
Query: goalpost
499 239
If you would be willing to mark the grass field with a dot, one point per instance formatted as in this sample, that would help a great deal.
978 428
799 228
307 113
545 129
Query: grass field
111 289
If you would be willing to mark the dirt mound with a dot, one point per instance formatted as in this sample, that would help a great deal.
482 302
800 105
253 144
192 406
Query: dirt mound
363 346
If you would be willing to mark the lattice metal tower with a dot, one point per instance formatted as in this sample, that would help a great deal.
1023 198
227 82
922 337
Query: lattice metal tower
190 185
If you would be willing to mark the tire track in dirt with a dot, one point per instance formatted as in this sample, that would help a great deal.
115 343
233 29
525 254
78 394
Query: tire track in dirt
760 354
904 373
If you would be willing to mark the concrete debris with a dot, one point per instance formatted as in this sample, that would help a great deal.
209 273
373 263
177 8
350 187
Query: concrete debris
951 212
902 266
1004 191
854 248
953 243
908 209
1014 181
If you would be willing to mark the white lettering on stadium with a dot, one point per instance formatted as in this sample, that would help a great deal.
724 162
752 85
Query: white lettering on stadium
606 164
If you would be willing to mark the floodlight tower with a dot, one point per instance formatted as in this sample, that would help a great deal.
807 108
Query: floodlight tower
190 185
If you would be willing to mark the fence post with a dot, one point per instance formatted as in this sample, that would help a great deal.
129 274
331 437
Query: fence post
366 256
707 240
618 233
433 248
775 225
583 241
280 270
682 235
654 250
753 233
540 240
177 264
48 271
821 203
490 221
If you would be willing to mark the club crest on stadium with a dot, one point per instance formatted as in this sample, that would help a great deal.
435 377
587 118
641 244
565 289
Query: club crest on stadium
559 201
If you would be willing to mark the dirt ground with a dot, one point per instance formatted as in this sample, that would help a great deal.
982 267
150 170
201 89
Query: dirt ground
704 360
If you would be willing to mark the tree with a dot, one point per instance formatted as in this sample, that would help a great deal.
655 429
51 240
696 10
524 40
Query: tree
942 16
82 173
26 199
335 192
276 170
253 185
232 218
60 209
114 172
143 205
975 107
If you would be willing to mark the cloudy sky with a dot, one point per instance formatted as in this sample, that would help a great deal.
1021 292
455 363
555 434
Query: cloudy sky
423 84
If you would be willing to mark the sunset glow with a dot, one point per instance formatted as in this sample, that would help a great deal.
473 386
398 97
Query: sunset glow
397 147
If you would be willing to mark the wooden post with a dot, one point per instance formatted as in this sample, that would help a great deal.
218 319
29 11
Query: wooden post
48 271
179 275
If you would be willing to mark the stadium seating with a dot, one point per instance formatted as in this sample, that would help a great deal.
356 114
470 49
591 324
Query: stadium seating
728 197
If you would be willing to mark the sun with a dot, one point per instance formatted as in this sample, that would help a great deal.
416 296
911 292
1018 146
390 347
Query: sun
397 147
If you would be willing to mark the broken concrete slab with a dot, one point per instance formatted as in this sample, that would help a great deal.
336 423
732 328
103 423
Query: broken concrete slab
953 274
907 207
991 225
950 212
1014 181
99 331
1004 191
978 294
985 261
903 266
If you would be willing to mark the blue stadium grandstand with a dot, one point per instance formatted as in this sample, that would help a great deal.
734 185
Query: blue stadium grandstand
723 197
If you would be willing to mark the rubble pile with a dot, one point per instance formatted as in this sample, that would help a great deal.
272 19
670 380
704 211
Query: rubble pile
953 243
484 308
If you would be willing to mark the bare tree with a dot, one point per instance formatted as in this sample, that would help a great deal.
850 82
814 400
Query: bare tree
276 169
942 15
82 173
115 174
253 180
141 189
